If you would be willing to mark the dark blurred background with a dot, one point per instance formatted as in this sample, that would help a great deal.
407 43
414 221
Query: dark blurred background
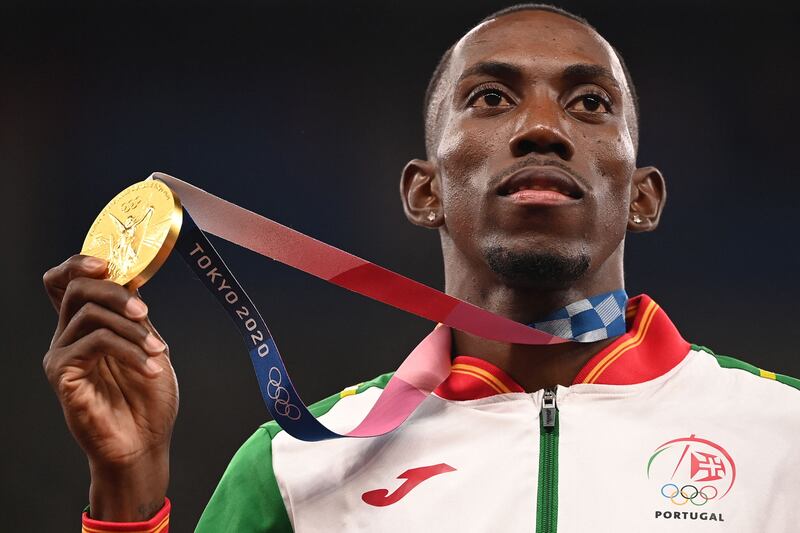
306 112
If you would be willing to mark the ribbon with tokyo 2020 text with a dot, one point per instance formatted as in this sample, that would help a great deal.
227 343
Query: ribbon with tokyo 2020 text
419 374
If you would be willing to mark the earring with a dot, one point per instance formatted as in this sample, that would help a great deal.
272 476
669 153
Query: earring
637 219
431 216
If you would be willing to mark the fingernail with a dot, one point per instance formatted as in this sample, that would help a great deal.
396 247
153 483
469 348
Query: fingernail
152 366
153 344
93 263
135 307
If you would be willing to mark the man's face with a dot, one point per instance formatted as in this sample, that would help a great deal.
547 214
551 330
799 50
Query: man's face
535 150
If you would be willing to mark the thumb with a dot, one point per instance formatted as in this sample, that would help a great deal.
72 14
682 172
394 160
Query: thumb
150 327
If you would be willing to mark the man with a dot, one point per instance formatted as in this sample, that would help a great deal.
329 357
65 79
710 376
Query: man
531 181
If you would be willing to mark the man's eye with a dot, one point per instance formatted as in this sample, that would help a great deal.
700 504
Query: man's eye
590 103
489 98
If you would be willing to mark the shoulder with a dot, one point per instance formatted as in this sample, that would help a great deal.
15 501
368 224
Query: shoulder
747 372
250 496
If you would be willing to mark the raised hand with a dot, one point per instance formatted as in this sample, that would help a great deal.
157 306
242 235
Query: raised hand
111 372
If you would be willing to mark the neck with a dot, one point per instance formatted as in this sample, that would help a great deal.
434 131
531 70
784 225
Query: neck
533 367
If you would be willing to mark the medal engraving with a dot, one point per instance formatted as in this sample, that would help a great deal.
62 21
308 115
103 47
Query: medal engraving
135 232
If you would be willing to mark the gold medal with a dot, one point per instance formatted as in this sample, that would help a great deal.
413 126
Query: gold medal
135 232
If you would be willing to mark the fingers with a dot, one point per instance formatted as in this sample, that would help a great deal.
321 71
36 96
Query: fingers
98 318
87 351
57 278
92 316
101 292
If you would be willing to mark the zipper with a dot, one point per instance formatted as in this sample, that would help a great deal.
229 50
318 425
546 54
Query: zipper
547 494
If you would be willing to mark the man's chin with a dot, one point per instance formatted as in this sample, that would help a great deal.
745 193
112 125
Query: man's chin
539 269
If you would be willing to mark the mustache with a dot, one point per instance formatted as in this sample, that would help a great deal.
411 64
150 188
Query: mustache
533 161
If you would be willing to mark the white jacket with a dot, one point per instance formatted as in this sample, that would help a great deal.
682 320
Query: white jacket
654 435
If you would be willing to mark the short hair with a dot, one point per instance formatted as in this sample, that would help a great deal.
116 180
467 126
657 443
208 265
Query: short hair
430 106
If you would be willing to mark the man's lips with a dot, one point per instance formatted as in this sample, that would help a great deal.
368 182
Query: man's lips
540 185
530 197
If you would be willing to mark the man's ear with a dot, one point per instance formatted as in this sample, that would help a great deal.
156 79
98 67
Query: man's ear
648 195
421 193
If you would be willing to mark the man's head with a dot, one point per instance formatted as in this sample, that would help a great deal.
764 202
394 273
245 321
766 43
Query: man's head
531 177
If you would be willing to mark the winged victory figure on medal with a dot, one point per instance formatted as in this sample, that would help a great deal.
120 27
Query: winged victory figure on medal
124 252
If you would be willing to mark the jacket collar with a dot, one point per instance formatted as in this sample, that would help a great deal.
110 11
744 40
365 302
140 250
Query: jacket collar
651 347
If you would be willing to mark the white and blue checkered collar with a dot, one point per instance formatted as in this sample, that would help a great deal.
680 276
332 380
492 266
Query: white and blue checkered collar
588 320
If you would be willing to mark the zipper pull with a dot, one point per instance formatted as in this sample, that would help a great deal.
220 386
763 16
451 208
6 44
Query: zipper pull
549 408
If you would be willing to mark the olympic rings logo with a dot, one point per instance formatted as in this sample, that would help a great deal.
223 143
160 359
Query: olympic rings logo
281 396
688 493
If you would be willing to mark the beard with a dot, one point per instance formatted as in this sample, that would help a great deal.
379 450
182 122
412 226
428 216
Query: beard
536 270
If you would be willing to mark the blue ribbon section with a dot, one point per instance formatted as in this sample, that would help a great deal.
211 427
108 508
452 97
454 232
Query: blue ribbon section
588 320
280 396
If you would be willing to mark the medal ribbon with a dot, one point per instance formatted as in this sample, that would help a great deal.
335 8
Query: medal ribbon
417 376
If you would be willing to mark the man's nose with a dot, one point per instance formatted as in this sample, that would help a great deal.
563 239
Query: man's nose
540 130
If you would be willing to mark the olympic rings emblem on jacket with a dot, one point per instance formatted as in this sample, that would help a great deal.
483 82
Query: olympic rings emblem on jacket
688 493
280 395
